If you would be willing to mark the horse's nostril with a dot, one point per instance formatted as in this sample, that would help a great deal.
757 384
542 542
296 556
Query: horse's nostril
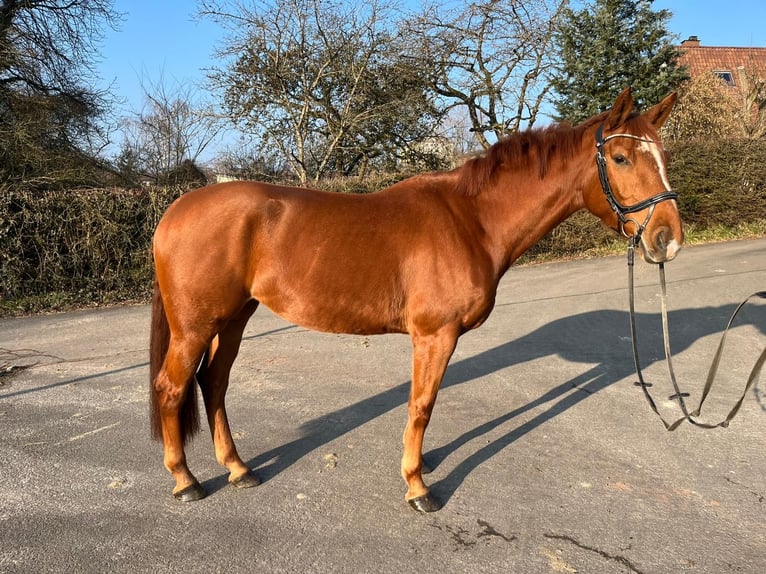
661 239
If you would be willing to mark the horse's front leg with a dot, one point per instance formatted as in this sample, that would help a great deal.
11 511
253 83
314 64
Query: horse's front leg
431 353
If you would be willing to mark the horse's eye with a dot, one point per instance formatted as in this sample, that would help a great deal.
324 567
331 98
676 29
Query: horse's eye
620 159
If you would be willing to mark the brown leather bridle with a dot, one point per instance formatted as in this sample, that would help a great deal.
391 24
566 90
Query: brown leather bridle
621 210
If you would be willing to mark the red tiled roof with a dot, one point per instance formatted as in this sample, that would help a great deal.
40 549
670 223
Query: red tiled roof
702 59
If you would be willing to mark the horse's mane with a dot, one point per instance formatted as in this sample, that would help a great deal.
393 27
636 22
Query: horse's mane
543 144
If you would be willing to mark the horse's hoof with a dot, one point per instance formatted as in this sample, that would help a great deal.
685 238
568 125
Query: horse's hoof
247 480
425 503
190 493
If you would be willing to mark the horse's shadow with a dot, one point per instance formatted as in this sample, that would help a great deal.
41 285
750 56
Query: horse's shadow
596 337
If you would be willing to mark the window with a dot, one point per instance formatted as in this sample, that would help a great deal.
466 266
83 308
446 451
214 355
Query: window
726 76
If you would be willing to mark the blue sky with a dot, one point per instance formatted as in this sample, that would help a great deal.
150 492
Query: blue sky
155 39
163 38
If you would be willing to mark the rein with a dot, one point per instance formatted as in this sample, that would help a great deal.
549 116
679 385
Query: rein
622 211
679 396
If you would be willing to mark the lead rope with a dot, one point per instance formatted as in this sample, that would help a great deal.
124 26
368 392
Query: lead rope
680 396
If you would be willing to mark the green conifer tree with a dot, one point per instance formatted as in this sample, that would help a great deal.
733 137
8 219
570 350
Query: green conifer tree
607 46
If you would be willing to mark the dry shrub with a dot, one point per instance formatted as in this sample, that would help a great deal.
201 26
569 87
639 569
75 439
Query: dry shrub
706 110
76 247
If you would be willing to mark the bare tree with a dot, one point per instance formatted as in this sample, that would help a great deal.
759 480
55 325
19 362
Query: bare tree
322 81
458 129
171 131
491 57
49 110
751 87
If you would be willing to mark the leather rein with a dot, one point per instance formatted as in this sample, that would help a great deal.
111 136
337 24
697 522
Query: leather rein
678 395
633 241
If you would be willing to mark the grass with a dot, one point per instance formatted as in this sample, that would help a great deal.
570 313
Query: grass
694 235
752 230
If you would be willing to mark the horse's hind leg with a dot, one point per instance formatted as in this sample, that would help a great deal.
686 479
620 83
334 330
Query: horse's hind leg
213 378
177 411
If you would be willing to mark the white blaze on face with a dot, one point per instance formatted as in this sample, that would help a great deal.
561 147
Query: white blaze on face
650 147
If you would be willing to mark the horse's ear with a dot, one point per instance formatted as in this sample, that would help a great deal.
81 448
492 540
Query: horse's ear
659 113
621 110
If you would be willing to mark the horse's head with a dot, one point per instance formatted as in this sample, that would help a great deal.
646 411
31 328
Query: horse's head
632 193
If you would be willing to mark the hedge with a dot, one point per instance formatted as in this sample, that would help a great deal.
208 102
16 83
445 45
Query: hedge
85 247
76 247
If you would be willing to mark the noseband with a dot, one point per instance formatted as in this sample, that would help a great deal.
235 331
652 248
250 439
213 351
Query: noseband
621 210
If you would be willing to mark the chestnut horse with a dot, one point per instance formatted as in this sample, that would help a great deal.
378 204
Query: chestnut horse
422 257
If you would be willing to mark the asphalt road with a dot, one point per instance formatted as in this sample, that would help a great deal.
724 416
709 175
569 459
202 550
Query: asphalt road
546 457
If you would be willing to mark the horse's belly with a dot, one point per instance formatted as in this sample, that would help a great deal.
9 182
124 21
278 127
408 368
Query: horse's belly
364 308
332 317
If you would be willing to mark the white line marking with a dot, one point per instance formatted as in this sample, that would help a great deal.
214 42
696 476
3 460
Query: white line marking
90 433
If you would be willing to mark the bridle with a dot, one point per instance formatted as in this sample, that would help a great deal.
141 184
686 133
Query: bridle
621 210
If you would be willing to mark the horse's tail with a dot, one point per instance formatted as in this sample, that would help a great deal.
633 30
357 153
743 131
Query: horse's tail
158 349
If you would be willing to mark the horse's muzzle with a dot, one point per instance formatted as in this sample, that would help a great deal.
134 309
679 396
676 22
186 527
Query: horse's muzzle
659 246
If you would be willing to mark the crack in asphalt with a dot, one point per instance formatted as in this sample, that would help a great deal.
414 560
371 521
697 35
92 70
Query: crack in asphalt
615 558
466 538
490 531
9 355
758 495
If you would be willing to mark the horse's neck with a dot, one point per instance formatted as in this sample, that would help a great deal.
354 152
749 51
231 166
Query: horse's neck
520 209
